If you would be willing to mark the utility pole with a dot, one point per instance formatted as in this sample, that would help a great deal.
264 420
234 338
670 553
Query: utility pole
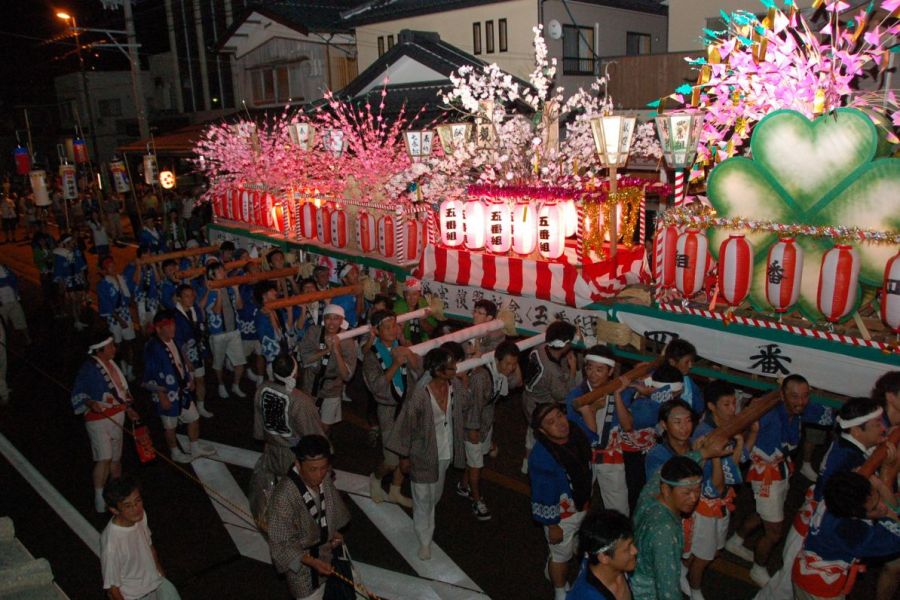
95 158
137 85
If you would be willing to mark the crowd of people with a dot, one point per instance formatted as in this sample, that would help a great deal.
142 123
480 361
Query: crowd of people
634 487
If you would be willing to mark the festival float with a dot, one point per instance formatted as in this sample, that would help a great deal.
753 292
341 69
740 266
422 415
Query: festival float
775 251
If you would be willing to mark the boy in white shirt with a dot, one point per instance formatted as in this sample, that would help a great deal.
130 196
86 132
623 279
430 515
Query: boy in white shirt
131 569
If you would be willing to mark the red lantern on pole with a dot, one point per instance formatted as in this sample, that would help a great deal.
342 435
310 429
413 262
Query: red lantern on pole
784 273
79 150
664 250
366 232
838 282
735 269
890 294
23 160
691 260
387 236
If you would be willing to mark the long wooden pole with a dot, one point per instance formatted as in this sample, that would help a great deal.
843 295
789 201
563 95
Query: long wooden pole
474 363
230 265
504 320
436 309
155 258
252 277
347 290
638 371
754 412
874 461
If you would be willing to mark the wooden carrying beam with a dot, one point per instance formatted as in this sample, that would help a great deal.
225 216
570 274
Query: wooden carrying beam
230 265
435 309
523 345
638 371
347 290
252 277
505 320
877 457
155 258
753 412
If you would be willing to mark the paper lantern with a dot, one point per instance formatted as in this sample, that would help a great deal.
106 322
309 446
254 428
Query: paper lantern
550 231
258 202
838 282
218 205
570 217
340 229
664 250
23 160
303 135
235 204
269 203
308 220
784 274
323 223
80 153
365 232
38 178
246 205
119 176
524 228
151 171
890 294
499 227
387 225
167 180
67 177
691 260
278 218
735 269
415 238
452 223
474 218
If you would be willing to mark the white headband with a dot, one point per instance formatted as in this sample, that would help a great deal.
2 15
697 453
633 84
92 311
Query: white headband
674 387
858 421
100 345
596 358
558 343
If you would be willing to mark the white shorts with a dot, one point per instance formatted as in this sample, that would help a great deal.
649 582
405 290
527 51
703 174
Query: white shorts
250 347
12 312
188 415
106 437
227 344
145 317
771 509
475 453
330 411
610 479
120 333
565 550
709 535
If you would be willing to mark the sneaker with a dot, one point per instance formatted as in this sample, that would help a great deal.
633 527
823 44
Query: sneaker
807 471
223 393
425 552
736 546
480 510
179 456
525 466
201 408
199 450
236 390
759 575
397 497
376 492
462 490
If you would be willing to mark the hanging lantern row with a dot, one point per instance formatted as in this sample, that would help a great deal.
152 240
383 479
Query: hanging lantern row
303 136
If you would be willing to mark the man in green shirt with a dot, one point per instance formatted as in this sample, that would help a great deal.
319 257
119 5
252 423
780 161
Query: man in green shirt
415 331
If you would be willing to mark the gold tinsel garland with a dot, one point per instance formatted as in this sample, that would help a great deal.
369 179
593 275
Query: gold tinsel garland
598 214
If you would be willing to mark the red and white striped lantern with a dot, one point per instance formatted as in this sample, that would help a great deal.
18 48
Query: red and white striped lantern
340 229
691 260
735 269
387 236
664 250
784 274
838 282
219 204
890 294
452 231
308 220
499 227
246 205
270 204
323 223
278 218
550 229
415 237
524 228
257 202
474 218
366 232
229 203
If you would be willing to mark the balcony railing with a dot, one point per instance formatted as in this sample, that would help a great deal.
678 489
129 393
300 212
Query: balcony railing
573 65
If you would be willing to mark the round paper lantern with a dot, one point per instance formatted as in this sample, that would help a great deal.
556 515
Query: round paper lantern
415 238
570 217
524 228
838 282
691 259
279 218
550 230
784 273
664 250
340 229
735 269
474 218
258 202
387 225
219 204
269 203
499 227
452 223
38 179
890 294
323 223
308 220
23 160
246 205
235 205
365 232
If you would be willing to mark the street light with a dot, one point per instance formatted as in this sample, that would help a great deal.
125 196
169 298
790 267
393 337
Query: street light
679 134
612 139
84 84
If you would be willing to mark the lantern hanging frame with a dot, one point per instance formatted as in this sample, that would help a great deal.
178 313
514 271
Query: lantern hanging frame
419 143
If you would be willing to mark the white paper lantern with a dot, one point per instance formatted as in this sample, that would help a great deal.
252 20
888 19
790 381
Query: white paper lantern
524 227
550 230
69 185
499 227
890 294
474 219
570 217
838 282
151 171
452 232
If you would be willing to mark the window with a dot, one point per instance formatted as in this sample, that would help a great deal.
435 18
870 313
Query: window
111 107
578 50
637 43
501 30
489 36
390 42
380 45
276 84
476 38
